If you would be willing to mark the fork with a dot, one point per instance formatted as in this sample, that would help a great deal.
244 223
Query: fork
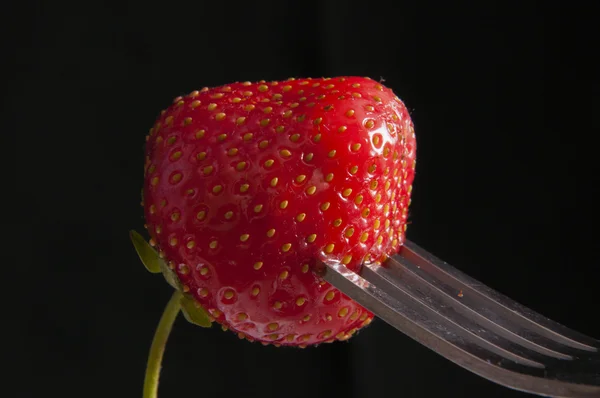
472 325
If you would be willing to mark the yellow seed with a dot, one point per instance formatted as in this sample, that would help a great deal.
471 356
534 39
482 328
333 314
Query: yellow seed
190 244
369 124
255 291
325 206
309 157
331 153
212 107
236 100
355 147
329 177
154 181
229 215
285 153
244 188
263 144
176 177
273 326
277 305
258 208
300 178
311 238
378 198
271 232
346 192
350 113
173 241
269 163
240 120
174 216
364 237
222 137
286 247
379 240
376 140
317 138
262 88
249 108
294 105
300 217
353 169
294 137
287 114
284 274
244 237
376 224
337 222
217 188
203 292
241 166
279 129
228 294
376 98
300 301
329 248
373 185
247 93
195 104
204 270
358 200
365 213
187 121
265 122
232 152
286 88
304 268
311 190
217 95
343 312
342 129
349 232
369 108
277 97
213 245
201 156
200 133
283 204
274 181
201 215
330 295
301 118
268 109
317 121
220 116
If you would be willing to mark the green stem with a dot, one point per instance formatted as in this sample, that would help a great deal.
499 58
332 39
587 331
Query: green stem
158 345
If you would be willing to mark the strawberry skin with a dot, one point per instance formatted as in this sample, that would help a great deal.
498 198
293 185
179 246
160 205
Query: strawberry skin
249 186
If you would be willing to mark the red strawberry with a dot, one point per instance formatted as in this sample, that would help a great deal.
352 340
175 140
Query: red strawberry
248 186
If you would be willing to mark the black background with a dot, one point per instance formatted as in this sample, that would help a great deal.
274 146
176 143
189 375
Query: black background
504 97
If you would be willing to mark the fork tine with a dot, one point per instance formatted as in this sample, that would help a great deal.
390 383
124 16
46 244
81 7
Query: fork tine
474 326
500 309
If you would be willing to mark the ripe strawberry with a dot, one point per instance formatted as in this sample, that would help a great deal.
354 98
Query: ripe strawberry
249 186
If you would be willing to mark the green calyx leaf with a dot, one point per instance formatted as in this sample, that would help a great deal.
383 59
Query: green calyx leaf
147 254
194 313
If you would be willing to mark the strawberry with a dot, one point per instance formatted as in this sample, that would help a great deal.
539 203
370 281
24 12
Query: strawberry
249 187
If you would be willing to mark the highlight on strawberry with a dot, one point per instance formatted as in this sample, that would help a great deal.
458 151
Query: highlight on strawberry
250 187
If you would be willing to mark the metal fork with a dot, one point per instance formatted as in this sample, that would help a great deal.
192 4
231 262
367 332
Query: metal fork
472 325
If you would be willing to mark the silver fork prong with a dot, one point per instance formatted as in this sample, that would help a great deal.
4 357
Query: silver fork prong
496 306
489 335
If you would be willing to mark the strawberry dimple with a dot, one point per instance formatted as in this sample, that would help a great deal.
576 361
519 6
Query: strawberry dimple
249 186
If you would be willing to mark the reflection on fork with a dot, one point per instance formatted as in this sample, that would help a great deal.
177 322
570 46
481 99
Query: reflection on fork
472 325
